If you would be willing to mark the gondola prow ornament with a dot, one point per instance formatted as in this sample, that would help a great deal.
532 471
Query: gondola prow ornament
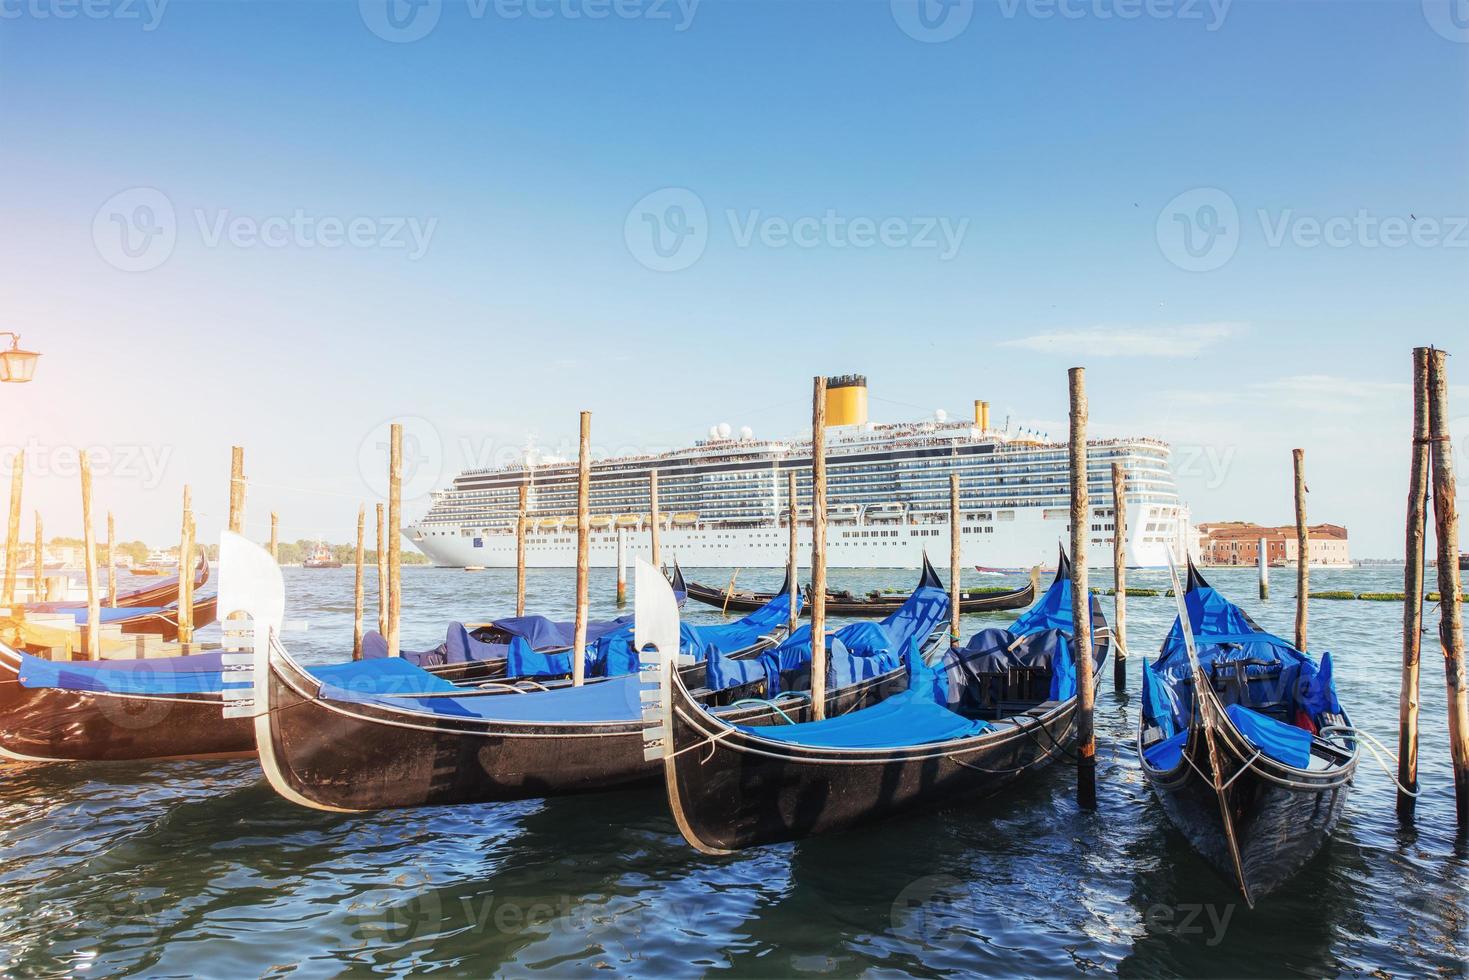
656 634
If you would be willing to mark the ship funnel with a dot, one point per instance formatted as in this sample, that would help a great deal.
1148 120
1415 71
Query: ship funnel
846 400
982 415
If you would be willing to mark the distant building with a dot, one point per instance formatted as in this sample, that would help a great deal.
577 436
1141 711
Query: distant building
1238 543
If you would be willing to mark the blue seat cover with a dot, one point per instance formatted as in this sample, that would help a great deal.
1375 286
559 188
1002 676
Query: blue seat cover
1281 742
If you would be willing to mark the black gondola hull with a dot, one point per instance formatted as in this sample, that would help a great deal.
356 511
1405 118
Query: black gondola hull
54 725
1278 829
339 755
743 602
740 794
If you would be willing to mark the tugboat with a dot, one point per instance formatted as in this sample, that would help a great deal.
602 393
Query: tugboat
321 557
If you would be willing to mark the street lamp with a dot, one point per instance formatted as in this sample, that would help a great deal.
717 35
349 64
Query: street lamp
17 365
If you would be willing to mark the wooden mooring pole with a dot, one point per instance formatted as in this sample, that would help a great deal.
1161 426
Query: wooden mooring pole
12 537
275 524
793 557
1303 551
583 546
1264 561
237 489
818 548
653 516
381 557
39 591
1119 577
89 547
359 560
1413 592
955 598
112 562
186 569
1450 625
395 539
1086 742
520 518
621 573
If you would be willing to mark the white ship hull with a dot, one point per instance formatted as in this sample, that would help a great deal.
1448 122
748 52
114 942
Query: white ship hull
1029 539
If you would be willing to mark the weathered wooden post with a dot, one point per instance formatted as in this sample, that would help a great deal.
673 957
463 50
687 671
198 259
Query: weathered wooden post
1086 742
358 562
1264 561
1450 625
395 538
382 575
112 562
583 545
186 569
793 557
653 516
1303 551
89 546
1119 577
274 536
1035 580
38 585
818 548
954 596
1413 592
520 517
621 573
237 489
12 537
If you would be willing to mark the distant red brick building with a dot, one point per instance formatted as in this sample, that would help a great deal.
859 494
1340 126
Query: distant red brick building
1238 543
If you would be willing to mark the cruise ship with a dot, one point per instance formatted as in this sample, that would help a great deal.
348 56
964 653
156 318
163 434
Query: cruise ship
722 501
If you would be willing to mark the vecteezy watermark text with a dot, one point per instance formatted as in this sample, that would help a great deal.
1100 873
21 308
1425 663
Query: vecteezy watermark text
669 229
1200 230
141 464
935 21
147 12
137 230
406 21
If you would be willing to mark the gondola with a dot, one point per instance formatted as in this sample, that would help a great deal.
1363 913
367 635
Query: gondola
164 593
116 710
841 603
149 620
1244 742
965 725
360 741
532 648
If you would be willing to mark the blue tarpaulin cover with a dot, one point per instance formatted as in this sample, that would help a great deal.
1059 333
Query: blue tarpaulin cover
195 674
1281 742
1278 677
611 700
862 650
914 717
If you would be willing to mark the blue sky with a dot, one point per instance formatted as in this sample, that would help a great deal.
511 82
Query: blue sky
279 224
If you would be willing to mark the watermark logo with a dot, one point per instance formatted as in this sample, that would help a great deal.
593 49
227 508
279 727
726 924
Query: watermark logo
1190 919
390 918
1448 18
137 463
138 229
147 12
423 457
929 909
135 230
1208 464
932 21
400 21
1199 230
1210 13
667 230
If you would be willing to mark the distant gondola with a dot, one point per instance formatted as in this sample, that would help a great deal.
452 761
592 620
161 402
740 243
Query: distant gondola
1254 772
163 593
874 604
369 737
976 721
160 621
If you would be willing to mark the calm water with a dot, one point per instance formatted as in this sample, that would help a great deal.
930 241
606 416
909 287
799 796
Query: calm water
194 869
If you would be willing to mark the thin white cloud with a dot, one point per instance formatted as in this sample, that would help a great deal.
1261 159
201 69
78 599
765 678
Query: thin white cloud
1185 340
